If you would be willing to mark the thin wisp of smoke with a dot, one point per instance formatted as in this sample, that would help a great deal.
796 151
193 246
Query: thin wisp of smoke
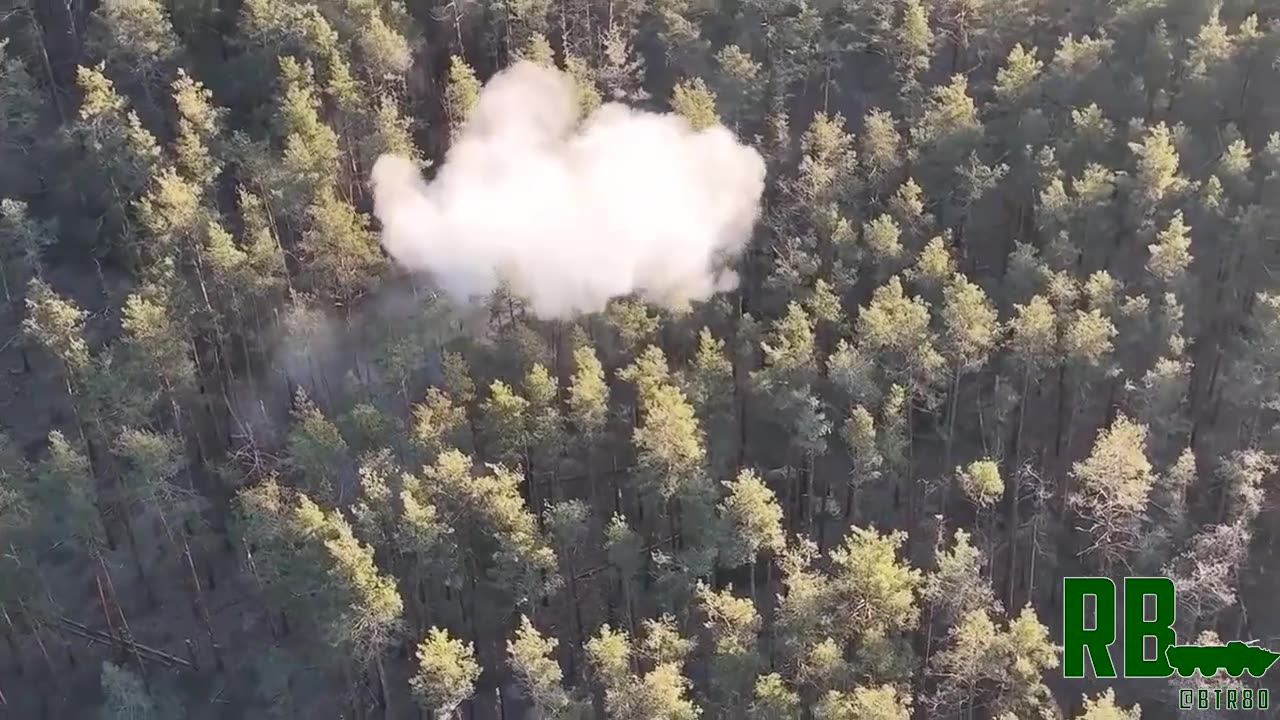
570 214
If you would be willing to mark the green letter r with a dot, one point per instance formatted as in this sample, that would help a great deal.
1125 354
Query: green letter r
1076 638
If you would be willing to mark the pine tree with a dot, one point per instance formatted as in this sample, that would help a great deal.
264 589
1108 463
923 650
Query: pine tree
659 693
22 240
437 423
879 146
1156 173
738 87
896 328
1112 488
136 40
494 530
446 675
371 606
14 471
934 266
1009 664
733 625
21 110
392 133
949 126
696 103
1018 79
504 416
57 325
981 482
859 434
969 336
461 94
311 150
873 591
670 445
957 587
427 542
883 237
864 703
711 388
773 700
119 155
153 465
1104 707
67 495
127 697
546 430
754 521
317 449
625 554
1171 253
911 47
531 657
1206 573
588 395
1033 340
341 251
158 340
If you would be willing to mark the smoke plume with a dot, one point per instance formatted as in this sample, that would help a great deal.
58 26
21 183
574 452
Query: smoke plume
570 215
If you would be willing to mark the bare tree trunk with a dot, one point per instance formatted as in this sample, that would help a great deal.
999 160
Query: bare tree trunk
10 633
1022 415
125 634
951 419
202 608
807 509
1015 482
48 67
1062 411
576 625
35 632
137 558
383 687
106 613
630 604
253 570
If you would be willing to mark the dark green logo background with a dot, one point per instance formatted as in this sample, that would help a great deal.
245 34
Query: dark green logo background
1083 643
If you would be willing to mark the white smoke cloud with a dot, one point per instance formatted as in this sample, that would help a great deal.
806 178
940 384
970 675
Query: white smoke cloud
572 215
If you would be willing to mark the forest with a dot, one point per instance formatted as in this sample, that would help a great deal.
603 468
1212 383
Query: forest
1006 315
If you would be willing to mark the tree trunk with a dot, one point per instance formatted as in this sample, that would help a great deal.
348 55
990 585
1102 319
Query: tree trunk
125 634
1014 490
383 687
253 570
1062 411
48 67
630 605
106 613
10 638
576 623
202 608
35 632
951 419
807 508
137 558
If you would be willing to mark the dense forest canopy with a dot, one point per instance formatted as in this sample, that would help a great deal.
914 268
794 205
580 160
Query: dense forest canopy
1007 314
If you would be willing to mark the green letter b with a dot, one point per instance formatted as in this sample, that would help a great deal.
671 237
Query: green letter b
1137 628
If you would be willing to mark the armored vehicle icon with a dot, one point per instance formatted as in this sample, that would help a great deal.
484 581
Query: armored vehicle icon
1235 657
